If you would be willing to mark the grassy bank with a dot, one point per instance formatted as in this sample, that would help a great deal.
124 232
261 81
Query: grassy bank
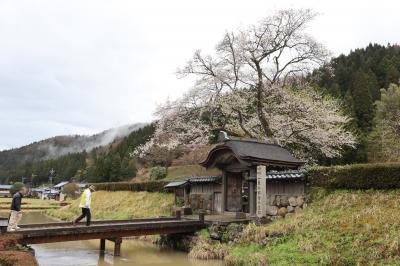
120 205
339 228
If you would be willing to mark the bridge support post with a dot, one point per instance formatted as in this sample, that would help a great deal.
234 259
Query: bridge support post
102 245
117 246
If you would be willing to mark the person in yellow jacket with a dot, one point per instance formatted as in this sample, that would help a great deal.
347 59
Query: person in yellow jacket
84 204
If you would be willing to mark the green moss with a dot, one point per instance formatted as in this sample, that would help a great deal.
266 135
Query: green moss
204 233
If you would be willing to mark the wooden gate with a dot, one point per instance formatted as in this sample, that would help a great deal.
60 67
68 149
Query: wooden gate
234 192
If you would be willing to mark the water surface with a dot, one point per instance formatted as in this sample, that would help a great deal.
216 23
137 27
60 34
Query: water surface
133 252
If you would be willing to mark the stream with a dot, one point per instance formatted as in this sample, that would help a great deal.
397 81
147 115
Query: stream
133 252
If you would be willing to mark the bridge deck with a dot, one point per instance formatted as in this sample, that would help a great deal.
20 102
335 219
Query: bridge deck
59 232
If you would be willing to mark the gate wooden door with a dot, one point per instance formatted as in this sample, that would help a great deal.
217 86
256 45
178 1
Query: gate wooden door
234 192
218 202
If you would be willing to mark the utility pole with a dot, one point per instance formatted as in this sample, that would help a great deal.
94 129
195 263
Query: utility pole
32 177
51 177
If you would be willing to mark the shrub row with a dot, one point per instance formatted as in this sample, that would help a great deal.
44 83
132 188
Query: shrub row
356 176
151 186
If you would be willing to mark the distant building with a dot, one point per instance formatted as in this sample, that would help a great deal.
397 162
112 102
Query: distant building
81 186
45 193
5 191
60 185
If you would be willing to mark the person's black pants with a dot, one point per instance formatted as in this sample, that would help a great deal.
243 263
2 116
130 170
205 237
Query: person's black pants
85 213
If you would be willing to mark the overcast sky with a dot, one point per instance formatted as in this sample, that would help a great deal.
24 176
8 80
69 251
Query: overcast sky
79 67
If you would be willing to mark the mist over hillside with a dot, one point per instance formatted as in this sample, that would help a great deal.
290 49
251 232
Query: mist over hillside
55 147
98 158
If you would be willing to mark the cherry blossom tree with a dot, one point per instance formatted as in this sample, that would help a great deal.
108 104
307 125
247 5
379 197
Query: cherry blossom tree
250 87
260 58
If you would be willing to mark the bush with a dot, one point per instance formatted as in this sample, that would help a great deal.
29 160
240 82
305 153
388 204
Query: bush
356 176
71 190
158 172
151 186
16 187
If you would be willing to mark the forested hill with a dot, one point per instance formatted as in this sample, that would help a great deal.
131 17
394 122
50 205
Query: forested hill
69 155
357 79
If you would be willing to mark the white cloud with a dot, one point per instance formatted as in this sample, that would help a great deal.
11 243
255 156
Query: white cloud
71 66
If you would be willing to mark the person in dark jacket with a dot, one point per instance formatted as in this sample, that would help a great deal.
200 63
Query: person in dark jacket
16 213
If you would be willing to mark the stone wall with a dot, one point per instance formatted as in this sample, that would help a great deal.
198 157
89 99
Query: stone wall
201 201
279 206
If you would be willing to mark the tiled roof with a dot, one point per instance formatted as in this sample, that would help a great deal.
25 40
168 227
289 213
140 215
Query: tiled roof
290 174
205 179
175 184
194 180
254 152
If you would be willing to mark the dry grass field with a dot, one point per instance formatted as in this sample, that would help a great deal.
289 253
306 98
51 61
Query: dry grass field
338 228
120 205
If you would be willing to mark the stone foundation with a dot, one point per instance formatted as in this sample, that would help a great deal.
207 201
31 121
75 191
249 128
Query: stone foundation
280 206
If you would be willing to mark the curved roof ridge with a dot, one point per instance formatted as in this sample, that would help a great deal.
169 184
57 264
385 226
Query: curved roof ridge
254 152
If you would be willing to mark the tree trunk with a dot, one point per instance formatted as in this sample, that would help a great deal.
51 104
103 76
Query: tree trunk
260 106
261 116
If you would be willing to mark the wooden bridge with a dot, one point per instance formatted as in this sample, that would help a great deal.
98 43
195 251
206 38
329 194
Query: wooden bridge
112 230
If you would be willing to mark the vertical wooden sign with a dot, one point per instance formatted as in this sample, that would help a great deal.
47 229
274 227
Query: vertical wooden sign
261 191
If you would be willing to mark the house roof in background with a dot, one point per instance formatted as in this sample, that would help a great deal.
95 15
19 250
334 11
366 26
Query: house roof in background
61 184
5 186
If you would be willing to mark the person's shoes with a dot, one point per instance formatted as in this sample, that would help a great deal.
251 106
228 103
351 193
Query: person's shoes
12 230
17 227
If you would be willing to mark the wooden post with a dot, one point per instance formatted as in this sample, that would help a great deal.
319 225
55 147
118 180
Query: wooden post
178 214
201 216
252 192
117 247
186 195
224 191
102 245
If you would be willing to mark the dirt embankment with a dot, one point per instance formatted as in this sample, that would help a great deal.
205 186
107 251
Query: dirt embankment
11 254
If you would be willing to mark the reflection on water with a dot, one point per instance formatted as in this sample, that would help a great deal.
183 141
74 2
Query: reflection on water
133 252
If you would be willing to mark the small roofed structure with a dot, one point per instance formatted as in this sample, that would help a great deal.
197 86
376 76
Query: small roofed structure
196 192
258 177
179 190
